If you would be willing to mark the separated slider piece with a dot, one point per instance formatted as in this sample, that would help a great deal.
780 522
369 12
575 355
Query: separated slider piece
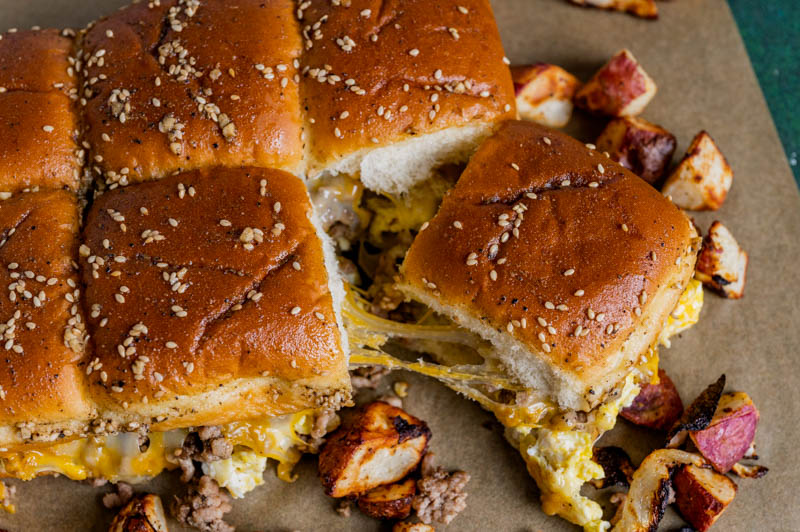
38 127
568 267
168 86
392 91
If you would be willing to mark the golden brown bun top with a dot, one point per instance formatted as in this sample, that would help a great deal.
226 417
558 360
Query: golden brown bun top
203 67
377 73
593 240
40 335
38 125
35 60
176 303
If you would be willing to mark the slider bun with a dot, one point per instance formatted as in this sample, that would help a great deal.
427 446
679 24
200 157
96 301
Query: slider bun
38 127
224 43
193 328
361 120
41 378
606 233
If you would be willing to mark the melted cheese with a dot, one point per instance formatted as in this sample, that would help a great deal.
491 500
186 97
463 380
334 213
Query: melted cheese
119 458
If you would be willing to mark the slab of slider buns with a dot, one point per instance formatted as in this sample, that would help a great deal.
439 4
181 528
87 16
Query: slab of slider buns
185 324
389 92
546 236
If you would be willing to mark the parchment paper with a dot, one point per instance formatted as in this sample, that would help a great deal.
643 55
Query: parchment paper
705 81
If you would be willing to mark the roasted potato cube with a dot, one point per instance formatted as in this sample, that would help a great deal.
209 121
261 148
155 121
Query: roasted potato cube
544 93
731 432
620 88
640 8
722 264
701 495
658 406
702 179
379 445
142 514
392 501
643 148
412 527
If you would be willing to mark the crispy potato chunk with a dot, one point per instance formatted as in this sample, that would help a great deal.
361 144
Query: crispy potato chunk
392 501
142 514
544 93
640 8
731 432
702 179
722 264
658 406
412 527
701 495
380 445
620 88
643 148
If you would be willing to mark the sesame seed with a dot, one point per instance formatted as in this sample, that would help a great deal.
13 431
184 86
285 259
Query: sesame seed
171 345
510 327
590 313
463 10
484 94
625 227
653 255
542 337
601 169
594 184
173 222
569 272
579 293
413 52
548 305
48 129
551 329
546 141
224 223
295 311
591 146
531 195
366 13
562 307
637 311
493 275
578 330
277 207
566 183
546 347
458 225
600 317
515 166
542 321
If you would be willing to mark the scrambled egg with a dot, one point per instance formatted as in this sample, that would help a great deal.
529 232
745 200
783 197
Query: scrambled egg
240 473
119 458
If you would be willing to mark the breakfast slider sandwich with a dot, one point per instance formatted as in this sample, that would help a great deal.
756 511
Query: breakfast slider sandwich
556 273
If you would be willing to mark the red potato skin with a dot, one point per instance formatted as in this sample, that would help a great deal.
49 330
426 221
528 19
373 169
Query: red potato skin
658 406
620 83
729 435
694 501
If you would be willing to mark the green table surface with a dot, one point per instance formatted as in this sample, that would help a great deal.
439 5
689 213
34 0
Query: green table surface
771 32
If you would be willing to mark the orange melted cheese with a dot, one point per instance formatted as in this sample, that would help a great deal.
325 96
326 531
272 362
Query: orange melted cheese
118 457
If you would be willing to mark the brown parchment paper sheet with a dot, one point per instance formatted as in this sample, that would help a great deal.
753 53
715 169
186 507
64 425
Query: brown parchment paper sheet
705 81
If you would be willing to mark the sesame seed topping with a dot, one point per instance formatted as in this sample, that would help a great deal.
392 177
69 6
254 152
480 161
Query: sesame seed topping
590 314
601 169
295 311
579 293
463 10
171 345
566 183
225 223
594 184
562 307
546 347
413 52
48 129
625 227
458 225
515 166
542 321
493 275
546 141
549 305
569 272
